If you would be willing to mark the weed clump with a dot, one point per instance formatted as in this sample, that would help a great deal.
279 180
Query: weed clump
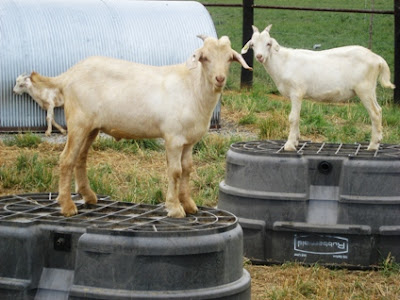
26 140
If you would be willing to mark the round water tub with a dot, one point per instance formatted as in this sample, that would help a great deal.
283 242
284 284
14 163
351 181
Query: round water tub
118 250
334 204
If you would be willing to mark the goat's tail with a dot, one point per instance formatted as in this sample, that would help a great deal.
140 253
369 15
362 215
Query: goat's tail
384 75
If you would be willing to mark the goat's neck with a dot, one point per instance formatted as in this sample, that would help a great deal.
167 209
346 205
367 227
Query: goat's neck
204 92
39 95
275 64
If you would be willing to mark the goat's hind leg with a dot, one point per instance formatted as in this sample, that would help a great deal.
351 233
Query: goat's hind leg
67 163
59 127
187 202
50 120
81 178
368 98
172 203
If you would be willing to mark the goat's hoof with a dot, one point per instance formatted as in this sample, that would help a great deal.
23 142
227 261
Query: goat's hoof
63 132
69 210
289 147
373 147
90 199
176 212
47 133
190 206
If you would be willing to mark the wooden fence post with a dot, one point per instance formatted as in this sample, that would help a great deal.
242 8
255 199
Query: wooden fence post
246 79
396 96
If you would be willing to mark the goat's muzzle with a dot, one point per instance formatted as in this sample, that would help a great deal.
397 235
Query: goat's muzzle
220 81
17 92
260 58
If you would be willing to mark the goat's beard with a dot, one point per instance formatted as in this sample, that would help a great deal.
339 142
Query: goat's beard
218 89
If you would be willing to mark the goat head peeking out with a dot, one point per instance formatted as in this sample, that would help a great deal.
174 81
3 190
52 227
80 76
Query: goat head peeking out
176 105
47 96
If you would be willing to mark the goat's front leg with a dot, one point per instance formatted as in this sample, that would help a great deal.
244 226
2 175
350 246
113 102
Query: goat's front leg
58 126
184 189
49 119
172 204
294 120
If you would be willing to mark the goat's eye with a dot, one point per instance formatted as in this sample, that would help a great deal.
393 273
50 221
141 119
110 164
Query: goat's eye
268 44
251 45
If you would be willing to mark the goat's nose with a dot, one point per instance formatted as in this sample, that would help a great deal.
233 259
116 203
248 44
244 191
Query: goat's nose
259 56
220 78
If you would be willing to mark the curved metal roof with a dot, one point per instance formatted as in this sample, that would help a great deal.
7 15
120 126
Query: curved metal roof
50 36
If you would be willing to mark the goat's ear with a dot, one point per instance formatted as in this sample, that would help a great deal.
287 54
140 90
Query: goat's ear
246 47
193 60
275 45
27 81
237 57
255 29
33 76
268 28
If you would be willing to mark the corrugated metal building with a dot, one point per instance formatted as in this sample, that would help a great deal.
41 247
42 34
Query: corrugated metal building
49 36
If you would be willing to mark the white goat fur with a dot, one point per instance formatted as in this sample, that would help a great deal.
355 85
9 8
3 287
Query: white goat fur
330 75
48 97
132 101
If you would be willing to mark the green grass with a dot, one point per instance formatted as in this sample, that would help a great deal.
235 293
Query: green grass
127 146
390 266
248 119
26 140
127 185
30 172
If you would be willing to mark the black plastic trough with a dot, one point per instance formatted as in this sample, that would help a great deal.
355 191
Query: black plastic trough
117 250
334 204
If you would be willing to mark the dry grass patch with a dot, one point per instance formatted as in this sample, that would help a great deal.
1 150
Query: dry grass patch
294 281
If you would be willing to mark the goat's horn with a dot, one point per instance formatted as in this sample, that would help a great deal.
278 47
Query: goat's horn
202 36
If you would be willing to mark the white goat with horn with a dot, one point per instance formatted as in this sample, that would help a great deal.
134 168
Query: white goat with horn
132 101
330 75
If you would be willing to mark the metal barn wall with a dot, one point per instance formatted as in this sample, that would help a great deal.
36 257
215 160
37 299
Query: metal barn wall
50 36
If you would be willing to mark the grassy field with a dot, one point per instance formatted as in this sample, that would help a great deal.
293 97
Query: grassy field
135 170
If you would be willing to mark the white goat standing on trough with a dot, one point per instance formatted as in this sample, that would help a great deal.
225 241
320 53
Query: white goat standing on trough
330 75
132 101
46 95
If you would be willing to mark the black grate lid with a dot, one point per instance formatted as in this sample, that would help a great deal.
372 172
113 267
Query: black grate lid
110 216
357 150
